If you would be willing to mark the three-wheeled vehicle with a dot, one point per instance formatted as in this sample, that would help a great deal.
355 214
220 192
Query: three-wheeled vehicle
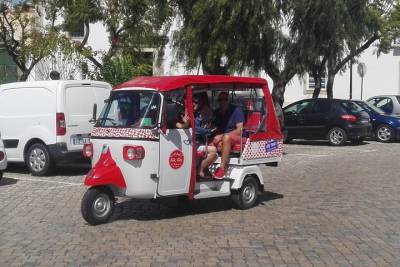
138 152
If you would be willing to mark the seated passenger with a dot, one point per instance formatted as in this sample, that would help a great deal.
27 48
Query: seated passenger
210 152
229 120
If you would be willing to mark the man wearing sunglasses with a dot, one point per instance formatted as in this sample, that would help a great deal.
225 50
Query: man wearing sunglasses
229 120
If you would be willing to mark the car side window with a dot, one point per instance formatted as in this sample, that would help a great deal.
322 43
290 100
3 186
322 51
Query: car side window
300 108
386 104
322 107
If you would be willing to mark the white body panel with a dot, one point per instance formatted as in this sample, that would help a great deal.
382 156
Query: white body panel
137 174
175 181
3 163
238 173
28 111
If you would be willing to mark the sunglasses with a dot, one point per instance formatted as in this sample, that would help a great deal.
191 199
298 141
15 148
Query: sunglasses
195 102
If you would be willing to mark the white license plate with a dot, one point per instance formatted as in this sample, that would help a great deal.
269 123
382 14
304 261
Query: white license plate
80 140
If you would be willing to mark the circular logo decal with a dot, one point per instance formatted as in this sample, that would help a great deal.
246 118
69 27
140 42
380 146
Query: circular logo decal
176 159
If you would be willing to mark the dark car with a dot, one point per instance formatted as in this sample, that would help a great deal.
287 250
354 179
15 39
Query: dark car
386 128
334 119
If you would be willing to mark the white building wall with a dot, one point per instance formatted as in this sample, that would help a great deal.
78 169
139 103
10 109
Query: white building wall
382 77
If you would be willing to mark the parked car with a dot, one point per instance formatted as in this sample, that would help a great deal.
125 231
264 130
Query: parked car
386 128
3 158
333 119
390 104
46 122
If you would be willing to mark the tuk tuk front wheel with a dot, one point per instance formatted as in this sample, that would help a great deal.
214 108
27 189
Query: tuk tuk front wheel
97 205
247 196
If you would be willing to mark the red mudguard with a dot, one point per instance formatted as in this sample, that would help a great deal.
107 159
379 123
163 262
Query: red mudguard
105 172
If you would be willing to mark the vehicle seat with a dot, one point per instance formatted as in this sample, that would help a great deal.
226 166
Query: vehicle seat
253 121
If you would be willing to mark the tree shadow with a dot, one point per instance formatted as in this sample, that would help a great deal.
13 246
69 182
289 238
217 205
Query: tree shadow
168 208
7 181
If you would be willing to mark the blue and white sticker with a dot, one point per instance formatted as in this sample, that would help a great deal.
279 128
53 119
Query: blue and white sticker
271 146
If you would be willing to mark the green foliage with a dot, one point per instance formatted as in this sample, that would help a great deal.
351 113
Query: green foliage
25 40
121 69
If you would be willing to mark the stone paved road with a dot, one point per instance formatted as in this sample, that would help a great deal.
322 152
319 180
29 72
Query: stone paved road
324 206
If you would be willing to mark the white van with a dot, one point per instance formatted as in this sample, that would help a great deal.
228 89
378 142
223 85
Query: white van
3 158
45 122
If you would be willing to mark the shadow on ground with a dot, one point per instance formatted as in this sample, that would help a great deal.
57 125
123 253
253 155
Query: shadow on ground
64 169
323 143
7 181
147 210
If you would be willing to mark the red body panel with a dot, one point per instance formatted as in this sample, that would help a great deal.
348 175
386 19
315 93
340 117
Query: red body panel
105 172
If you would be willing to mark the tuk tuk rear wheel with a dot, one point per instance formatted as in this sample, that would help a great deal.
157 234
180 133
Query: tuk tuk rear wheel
97 205
247 196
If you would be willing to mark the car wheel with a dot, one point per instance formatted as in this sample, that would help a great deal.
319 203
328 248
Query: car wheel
337 136
247 196
97 205
384 133
38 160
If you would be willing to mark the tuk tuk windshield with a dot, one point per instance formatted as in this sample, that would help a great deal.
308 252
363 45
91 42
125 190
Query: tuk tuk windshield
131 109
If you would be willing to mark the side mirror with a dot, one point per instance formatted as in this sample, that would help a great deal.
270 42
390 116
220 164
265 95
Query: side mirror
94 114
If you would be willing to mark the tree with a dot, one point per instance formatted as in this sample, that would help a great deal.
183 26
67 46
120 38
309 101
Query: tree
24 39
249 34
331 33
120 69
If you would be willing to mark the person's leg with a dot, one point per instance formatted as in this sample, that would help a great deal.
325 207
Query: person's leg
226 150
227 142
212 156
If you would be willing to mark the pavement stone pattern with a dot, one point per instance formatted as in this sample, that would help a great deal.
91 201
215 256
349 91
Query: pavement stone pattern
323 206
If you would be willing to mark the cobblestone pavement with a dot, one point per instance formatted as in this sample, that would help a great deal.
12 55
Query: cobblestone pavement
323 206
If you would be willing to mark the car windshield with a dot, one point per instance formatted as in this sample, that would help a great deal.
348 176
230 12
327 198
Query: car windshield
398 98
133 109
369 107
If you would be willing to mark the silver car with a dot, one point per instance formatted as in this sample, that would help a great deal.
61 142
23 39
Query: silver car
3 158
390 104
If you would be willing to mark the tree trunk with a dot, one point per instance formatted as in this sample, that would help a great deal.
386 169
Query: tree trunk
329 85
24 76
278 91
317 84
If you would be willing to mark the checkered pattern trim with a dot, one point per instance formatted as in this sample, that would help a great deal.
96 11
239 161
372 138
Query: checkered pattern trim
125 133
272 148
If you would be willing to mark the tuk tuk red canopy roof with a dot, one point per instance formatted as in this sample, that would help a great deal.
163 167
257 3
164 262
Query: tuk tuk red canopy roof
168 83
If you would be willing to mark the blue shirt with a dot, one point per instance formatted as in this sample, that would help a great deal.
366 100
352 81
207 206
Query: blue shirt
199 124
227 122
